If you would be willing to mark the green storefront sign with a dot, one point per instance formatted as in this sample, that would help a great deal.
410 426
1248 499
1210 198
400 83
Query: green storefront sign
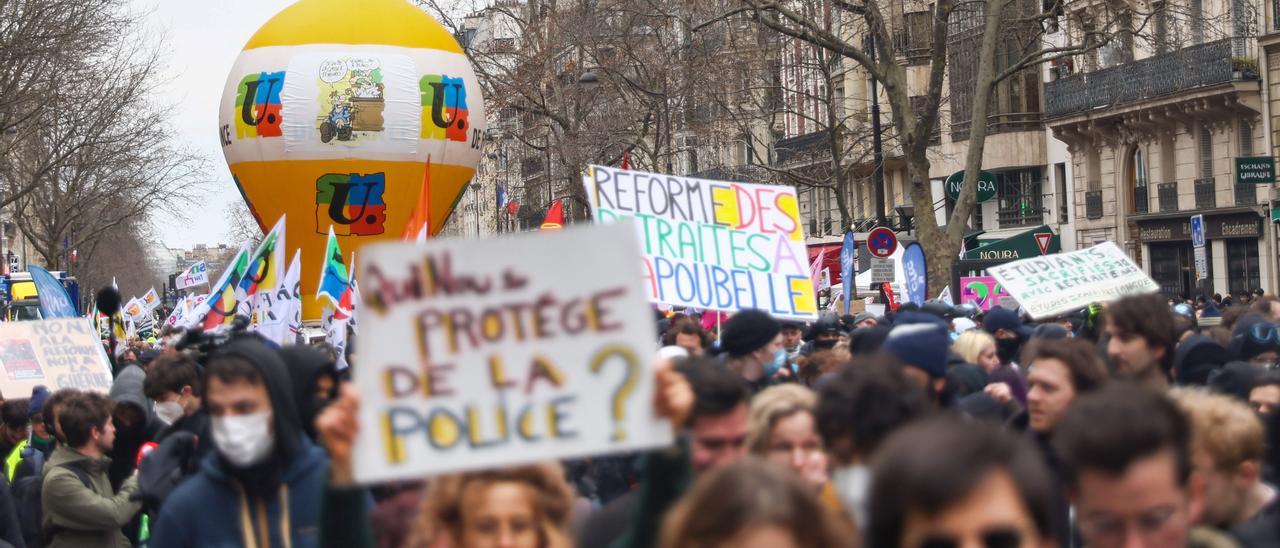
986 185
1032 243
1255 170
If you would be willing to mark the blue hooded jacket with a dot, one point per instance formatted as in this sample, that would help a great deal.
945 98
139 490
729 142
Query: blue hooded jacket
210 511
221 507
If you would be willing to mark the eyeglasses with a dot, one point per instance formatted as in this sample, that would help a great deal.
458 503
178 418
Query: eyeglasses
995 537
1101 527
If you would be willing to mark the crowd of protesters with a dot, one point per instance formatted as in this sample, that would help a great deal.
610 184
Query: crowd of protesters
1142 422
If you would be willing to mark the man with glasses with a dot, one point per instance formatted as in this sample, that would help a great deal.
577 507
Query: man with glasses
1126 461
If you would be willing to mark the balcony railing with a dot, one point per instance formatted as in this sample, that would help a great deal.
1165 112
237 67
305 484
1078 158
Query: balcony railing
1141 202
1000 123
1168 196
1246 194
1093 204
1206 193
1187 68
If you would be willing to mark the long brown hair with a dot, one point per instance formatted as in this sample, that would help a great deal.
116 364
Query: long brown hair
750 493
440 522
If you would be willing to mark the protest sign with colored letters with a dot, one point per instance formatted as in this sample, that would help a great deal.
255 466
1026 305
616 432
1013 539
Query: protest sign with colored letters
1056 284
59 353
198 274
490 353
711 245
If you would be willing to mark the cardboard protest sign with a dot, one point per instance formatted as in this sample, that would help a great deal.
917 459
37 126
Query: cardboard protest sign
61 353
711 244
1056 284
489 353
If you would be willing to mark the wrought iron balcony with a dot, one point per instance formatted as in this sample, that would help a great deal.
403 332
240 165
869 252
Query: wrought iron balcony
1206 193
1187 68
1168 196
1093 204
1141 202
1246 194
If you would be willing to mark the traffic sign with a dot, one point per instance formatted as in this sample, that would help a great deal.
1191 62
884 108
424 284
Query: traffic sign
1197 230
882 242
1202 263
986 185
882 271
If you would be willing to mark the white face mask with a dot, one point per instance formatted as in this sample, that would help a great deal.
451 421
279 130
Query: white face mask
168 411
244 440
853 486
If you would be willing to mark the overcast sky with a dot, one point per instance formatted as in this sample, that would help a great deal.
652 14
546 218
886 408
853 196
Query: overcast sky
203 39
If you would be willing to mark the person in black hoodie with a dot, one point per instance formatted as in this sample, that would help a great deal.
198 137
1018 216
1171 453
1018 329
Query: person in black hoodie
314 379
263 464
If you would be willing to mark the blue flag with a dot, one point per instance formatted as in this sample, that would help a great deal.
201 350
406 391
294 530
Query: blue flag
913 267
848 253
54 301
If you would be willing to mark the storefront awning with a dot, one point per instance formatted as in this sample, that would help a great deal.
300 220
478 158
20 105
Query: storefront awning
1035 242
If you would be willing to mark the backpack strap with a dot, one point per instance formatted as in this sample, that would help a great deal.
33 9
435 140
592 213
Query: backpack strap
77 468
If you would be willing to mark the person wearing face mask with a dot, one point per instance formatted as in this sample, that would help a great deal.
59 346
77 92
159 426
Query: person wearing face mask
315 383
263 484
857 409
174 385
752 345
1010 334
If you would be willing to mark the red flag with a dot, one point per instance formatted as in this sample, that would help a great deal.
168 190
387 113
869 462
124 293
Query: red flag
555 217
421 216
888 293
513 207
626 160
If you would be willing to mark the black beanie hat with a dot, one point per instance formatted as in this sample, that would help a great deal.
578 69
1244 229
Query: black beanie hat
748 331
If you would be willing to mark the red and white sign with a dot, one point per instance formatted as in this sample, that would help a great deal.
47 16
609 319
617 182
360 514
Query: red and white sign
882 242
1043 239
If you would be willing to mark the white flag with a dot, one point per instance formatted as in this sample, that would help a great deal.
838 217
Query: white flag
151 299
335 333
274 311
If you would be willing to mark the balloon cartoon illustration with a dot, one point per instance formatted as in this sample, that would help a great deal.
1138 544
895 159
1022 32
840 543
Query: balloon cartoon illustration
339 113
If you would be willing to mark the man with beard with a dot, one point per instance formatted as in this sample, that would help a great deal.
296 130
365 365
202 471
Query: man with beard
1010 334
263 464
1141 340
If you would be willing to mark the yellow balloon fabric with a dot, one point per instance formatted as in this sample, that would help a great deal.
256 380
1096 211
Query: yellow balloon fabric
338 112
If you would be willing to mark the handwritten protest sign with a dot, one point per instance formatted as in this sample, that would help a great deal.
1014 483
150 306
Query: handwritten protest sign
61 353
1055 284
982 291
711 244
489 353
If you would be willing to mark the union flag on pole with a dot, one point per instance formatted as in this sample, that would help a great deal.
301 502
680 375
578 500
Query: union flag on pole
335 279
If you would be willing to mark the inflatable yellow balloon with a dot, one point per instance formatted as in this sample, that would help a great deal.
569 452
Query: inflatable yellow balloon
337 112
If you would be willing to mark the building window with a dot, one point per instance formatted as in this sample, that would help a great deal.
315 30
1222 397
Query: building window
1138 181
1246 138
1206 153
1243 271
1021 198
1060 176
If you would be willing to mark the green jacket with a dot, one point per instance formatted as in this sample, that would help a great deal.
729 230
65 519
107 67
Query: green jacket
84 516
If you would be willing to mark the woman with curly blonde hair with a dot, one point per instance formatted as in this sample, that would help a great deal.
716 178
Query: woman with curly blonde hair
519 507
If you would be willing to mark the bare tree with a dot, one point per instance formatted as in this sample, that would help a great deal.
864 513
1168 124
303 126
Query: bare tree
243 227
1005 38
